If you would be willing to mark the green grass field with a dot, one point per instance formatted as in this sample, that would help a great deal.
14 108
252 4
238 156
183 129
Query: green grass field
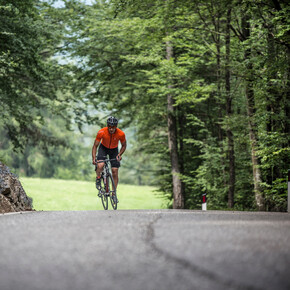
56 194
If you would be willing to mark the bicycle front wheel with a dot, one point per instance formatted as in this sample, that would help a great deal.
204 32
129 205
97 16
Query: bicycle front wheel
104 196
113 192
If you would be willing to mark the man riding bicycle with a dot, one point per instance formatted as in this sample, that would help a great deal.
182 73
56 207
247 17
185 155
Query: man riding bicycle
107 139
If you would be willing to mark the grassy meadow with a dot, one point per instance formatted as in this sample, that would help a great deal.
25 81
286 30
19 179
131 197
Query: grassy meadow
57 194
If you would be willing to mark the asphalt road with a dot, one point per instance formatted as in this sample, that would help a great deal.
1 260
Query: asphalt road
158 249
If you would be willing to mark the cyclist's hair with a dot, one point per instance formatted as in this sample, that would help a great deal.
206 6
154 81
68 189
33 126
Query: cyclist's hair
112 121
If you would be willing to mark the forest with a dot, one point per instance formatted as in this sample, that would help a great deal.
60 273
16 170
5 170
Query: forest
201 89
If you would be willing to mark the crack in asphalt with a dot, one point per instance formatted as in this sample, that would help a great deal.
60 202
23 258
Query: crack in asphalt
150 236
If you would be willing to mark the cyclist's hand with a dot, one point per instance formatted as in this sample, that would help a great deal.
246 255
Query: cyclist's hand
94 161
119 157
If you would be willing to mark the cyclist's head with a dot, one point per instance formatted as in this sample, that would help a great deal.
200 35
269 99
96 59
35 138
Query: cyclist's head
112 121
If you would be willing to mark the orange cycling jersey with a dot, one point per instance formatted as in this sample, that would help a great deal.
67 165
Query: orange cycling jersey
110 140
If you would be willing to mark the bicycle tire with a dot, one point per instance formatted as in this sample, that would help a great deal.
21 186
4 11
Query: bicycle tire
104 196
113 192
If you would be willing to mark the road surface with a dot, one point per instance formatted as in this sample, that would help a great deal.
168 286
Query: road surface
158 249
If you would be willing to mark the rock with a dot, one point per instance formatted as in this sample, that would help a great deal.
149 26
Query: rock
12 195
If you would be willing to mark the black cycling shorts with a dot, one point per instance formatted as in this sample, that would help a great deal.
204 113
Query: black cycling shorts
104 151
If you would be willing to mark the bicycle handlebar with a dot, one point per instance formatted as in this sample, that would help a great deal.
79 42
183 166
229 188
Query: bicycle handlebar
106 160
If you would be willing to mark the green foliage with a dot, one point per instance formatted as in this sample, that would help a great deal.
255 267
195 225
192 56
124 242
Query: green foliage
276 195
30 78
122 65
116 62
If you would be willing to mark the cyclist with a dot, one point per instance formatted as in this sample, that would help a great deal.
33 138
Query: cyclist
107 140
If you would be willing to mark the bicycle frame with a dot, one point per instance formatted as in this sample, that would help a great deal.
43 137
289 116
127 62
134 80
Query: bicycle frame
106 170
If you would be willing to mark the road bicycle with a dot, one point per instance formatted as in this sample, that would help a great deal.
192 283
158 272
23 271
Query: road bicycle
107 188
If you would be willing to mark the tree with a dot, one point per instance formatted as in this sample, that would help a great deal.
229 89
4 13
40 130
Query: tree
30 79
192 76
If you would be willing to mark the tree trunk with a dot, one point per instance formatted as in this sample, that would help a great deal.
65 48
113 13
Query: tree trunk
260 202
180 134
271 92
231 152
178 198
217 39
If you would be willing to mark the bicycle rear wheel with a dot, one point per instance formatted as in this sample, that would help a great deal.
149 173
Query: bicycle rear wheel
113 192
104 196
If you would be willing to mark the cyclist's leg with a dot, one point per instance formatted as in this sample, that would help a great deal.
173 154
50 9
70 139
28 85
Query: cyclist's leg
115 165
99 169
115 174
101 156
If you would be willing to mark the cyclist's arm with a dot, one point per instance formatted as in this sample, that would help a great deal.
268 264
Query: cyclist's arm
122 150
94 151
